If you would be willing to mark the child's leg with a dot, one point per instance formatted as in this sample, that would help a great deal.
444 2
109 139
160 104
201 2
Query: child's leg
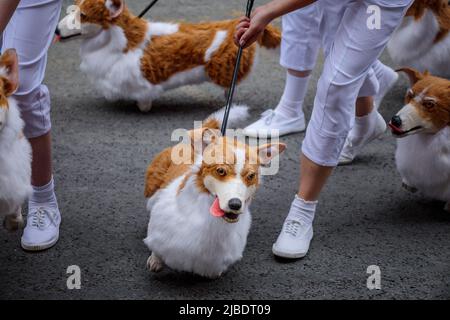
349 58
31 31
299 49
369 123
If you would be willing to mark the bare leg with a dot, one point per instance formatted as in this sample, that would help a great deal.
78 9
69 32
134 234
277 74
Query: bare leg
42 160
154 263
14 221
299 74
313 179
364 106
7 8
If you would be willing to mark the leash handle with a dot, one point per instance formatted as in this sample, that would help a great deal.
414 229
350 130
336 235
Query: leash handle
147 8
235 75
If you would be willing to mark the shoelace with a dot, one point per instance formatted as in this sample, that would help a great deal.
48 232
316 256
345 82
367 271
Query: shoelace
39 218
268 116
292 227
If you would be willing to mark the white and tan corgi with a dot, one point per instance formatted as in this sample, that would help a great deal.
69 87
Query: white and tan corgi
127 57
423 126
423 39
15 151
199 209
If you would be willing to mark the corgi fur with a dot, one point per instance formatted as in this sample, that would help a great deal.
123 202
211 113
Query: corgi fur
127 57
182 233
15 151
423 129
423 39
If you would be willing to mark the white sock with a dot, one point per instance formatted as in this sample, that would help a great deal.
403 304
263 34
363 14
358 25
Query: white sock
385 76
43 196
291 103
364 126
302 210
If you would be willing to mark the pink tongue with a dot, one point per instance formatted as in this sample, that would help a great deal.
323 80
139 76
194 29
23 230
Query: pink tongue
215 209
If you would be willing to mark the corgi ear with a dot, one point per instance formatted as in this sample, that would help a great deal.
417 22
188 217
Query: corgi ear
9 68
269 151
413 75
115 7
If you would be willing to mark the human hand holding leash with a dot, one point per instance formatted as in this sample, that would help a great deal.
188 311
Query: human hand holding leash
249 29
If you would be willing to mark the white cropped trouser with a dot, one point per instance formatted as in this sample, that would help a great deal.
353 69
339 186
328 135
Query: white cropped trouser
31 31
351 65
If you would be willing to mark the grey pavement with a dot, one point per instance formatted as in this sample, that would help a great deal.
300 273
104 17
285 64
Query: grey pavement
101 150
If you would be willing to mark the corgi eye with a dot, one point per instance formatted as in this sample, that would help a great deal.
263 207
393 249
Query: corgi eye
429 104
251 176
221 172
82 15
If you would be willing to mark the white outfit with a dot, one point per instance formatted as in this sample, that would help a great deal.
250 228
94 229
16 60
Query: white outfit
31 31
351 50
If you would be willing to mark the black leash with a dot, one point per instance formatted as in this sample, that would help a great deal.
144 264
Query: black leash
147 8
235 76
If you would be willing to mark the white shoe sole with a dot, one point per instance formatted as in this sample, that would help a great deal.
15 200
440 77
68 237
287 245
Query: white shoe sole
41 246
287 255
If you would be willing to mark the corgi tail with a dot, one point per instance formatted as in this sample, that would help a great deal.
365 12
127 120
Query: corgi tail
238 113
271 38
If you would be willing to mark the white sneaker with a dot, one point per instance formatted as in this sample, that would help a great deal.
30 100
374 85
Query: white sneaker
42 230
353 148
294 239
270 120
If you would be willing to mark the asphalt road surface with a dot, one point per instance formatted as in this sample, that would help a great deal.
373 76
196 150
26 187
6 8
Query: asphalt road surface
101 150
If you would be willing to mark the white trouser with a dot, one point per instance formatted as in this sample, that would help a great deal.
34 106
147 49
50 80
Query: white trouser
351 52
30 31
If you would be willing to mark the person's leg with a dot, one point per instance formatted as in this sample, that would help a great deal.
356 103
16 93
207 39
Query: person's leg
348 62
369 123
31 31
299 49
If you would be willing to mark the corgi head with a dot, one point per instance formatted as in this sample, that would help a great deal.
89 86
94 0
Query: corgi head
230 171
9 82
90 18
427 105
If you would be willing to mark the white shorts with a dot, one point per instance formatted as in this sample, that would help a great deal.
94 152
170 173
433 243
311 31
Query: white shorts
31 31
301 41
351 51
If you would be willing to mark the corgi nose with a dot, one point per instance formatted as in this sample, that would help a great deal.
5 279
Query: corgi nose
396 121
57 32
235 204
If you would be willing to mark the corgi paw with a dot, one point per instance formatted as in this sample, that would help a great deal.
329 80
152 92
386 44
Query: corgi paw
154 263
447 207
13 222
145 106
409 188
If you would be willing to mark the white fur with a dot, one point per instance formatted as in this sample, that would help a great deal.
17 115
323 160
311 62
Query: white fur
423 161
162 28
238 114
412 45
215 45
187 237
15 162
